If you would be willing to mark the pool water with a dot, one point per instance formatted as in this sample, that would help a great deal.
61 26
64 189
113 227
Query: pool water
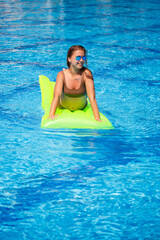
80 184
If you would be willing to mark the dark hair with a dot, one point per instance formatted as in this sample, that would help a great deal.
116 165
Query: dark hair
72 49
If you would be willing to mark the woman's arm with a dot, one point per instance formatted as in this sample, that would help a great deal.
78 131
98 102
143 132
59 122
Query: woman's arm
89 82
57 94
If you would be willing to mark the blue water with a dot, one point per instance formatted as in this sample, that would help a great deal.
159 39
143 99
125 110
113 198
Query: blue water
80 184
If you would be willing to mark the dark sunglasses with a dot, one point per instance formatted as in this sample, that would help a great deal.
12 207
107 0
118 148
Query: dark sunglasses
78 58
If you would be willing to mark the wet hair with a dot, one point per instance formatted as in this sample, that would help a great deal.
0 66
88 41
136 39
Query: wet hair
74 48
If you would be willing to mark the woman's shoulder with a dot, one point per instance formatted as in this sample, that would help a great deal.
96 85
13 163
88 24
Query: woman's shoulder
63 72
60 76
88 73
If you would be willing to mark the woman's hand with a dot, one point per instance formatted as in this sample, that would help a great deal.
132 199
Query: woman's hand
53 117
98 119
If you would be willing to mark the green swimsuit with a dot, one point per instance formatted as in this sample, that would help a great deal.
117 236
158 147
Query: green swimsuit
73 102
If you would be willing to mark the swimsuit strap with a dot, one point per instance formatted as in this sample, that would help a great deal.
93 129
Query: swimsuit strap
64 82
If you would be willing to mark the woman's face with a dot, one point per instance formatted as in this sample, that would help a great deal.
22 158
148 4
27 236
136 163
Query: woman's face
77 59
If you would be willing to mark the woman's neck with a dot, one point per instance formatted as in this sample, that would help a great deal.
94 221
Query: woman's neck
74 71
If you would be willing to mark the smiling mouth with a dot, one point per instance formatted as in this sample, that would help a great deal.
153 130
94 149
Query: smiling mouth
81 64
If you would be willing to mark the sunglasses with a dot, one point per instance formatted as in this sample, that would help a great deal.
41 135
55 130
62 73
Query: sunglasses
78 58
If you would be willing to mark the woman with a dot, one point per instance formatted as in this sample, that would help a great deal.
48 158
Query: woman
74 84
